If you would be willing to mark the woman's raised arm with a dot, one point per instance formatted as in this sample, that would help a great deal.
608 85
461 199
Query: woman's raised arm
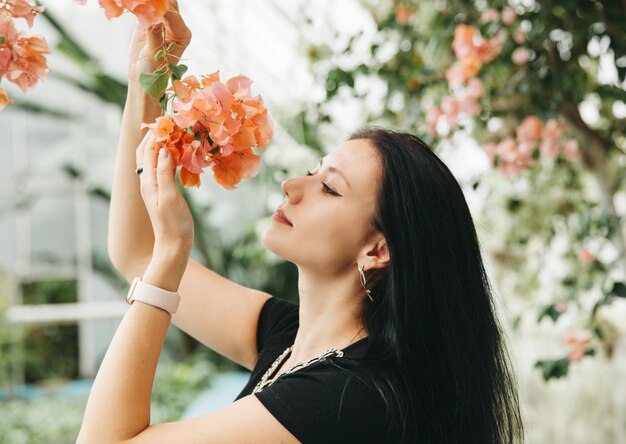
218 312
130 237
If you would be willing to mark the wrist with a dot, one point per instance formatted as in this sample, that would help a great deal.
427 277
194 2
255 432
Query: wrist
165 272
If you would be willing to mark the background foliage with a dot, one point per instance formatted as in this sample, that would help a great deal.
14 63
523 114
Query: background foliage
554 196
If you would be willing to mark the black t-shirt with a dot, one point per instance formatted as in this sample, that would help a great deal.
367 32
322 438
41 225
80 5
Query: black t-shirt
329 401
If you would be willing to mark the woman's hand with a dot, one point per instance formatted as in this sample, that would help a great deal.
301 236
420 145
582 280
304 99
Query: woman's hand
168 211
147 41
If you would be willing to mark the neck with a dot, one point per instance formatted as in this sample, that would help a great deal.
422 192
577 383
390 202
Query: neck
329 313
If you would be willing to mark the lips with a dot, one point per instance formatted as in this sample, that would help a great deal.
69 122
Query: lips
281 215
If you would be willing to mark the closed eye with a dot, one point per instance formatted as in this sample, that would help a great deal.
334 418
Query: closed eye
326 188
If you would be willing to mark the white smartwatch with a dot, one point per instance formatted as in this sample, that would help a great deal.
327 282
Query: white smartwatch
149 294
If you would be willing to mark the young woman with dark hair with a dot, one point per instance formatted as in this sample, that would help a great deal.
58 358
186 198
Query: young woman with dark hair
394 339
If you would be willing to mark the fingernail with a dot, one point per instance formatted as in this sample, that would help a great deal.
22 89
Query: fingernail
163 153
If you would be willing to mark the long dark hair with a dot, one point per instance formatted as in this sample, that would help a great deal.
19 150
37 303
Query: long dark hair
433 315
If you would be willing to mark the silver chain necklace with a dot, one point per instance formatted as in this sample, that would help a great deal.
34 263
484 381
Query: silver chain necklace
264 380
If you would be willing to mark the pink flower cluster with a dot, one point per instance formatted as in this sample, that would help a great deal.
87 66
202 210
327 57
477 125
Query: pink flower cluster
472 51
464 103
404 14
148 12
515 154
22 58
214 125
508 16
577 343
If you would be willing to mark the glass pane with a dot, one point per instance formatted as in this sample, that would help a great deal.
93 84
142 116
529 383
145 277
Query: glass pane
53 238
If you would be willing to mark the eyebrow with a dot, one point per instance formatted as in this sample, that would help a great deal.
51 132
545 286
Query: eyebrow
333 169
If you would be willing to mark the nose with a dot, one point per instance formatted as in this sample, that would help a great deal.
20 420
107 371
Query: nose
291 190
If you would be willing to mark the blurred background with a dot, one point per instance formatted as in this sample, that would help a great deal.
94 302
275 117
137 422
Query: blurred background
524 100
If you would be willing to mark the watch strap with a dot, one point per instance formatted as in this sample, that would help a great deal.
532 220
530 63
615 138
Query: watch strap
149 294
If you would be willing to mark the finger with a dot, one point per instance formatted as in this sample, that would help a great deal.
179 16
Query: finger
148 177
147 138
177 30
165 179
155 37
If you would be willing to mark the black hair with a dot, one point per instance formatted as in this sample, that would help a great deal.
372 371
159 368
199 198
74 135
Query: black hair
433 321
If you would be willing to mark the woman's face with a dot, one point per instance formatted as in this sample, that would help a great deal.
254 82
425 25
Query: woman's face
328 230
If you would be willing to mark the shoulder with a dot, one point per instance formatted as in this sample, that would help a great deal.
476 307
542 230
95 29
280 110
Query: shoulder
328 401
278 317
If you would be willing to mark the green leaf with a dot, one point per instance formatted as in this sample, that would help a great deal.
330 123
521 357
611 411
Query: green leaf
170 47
154 83
553 368
163 102
160 53
1 39
177 71
619 290
550 311
215 150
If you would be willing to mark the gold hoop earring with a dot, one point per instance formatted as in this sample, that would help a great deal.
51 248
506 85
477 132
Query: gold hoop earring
364 281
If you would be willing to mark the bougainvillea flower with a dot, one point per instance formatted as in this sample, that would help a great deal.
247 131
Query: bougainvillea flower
28 64
404 14
509 16
20 9
8 31
463 43
214 124
4 99
148 12
585 256
489 15
577 342
488 49
514 158
229 170
550 135
112 8
529 130
162 127
472 51
432 118
571 150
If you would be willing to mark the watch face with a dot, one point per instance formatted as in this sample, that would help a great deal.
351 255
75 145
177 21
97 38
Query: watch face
131 290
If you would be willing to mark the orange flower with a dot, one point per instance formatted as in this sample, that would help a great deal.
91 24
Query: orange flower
20 9
578 343
4 99
28 64
404 14
585 256
188 179
214 124
162 127
463 43
148 12
530 129
571 150
550 143
229 170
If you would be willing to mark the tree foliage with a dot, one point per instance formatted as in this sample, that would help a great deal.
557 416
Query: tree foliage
540 85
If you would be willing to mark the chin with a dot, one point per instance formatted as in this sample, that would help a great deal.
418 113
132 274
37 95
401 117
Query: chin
269 241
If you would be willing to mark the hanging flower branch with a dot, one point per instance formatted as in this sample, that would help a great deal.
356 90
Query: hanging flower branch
212 124
22 59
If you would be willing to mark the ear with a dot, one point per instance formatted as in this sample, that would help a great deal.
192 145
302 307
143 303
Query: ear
377 254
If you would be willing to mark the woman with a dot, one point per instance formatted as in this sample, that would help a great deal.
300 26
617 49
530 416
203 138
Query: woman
394 338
